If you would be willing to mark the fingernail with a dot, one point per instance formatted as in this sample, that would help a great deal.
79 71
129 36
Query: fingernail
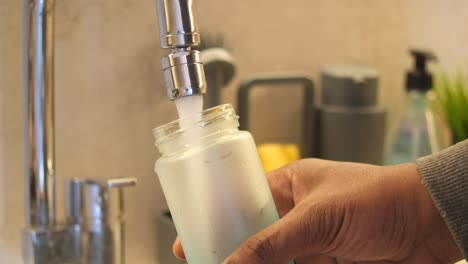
228 261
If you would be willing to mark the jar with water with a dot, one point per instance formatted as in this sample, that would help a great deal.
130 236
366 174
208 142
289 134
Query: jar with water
214 183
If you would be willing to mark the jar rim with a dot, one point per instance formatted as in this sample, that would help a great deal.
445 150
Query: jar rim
172 129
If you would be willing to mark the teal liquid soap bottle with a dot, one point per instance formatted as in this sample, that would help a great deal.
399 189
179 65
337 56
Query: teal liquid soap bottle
412 139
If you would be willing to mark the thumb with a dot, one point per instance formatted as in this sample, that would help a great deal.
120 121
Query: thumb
291 236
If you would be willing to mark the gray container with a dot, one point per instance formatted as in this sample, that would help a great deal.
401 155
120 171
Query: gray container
350 125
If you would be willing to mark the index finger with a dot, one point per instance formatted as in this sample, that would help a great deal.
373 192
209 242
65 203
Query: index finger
281 188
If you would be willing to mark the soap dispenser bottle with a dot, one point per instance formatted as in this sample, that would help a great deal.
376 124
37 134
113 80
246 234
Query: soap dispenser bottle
412 136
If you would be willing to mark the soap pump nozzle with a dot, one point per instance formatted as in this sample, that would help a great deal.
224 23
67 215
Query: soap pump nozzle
420 78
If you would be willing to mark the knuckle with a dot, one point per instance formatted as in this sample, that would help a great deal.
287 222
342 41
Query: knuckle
292 170
322 224
259 250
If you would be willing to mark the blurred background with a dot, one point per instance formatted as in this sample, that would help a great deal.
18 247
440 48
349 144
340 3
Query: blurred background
110 90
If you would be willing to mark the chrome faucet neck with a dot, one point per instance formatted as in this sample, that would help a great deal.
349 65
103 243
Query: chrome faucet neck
39 113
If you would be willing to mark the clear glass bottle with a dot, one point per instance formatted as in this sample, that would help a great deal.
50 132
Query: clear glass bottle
412 138
214 184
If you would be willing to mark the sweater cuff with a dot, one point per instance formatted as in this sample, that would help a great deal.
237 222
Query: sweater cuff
445 174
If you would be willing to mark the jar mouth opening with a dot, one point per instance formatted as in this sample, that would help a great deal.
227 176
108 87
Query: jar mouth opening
198 119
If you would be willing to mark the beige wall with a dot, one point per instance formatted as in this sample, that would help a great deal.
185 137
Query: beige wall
109 86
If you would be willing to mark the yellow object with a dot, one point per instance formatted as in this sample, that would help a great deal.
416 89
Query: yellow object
274 156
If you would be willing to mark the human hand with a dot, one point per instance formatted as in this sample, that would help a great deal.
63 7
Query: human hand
333 212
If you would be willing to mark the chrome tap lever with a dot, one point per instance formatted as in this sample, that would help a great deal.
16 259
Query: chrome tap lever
97 207
120 183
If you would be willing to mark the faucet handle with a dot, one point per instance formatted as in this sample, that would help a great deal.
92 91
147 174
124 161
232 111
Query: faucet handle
92 202
121 182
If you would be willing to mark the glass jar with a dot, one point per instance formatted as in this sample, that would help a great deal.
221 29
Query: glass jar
214 184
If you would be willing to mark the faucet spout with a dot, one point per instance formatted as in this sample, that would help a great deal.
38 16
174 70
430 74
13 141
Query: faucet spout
39 112
178 28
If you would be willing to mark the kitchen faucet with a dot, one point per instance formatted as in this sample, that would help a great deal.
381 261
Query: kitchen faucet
93 230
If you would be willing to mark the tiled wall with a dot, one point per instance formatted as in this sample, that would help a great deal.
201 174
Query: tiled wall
110 93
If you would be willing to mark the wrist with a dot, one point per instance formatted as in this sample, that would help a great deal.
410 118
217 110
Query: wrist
434 232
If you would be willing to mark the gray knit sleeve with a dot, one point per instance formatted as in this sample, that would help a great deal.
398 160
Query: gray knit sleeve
446 176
